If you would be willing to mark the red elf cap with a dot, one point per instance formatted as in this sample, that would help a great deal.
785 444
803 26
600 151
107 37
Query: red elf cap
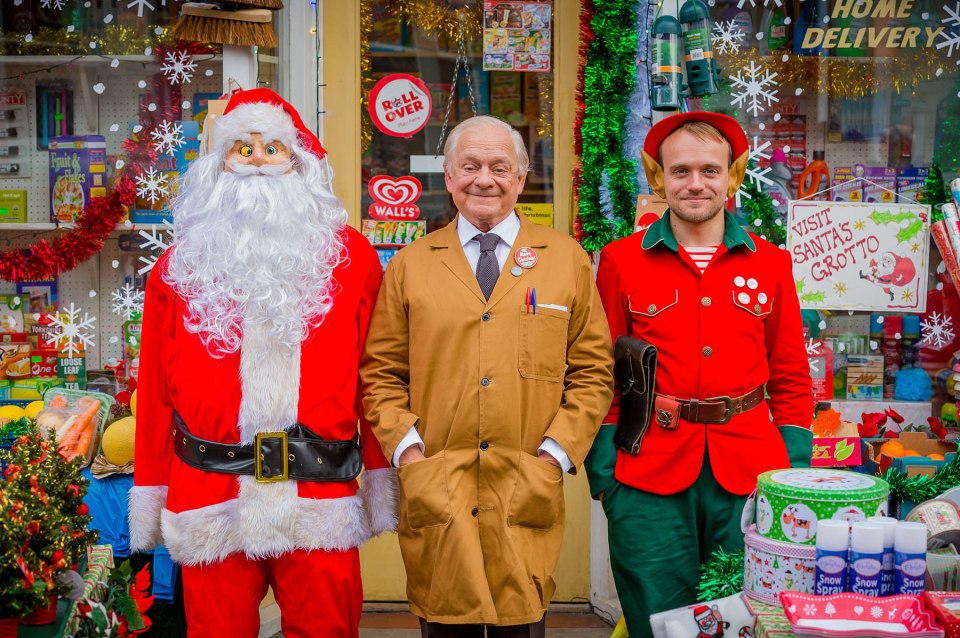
267 96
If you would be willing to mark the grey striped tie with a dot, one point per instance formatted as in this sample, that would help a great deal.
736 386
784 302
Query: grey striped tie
488 270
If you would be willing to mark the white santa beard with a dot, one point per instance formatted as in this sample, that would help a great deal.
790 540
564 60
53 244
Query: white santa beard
256 250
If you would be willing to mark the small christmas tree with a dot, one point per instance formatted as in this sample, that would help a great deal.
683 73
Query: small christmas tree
934 192
763 219
21 592
45 492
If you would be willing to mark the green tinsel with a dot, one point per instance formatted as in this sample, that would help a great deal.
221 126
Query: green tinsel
721 576
935 192
14 429
923 488
609 77
759 208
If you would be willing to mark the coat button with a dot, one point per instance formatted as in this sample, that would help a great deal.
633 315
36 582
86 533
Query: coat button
485 316
757 308
484 445
707 351
484 382
706 302
475 512
652 308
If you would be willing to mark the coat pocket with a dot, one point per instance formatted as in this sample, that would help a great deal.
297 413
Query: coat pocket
424 496
543 344
538 497
759 305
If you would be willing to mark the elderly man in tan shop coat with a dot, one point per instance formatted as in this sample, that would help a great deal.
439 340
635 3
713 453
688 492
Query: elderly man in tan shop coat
488 369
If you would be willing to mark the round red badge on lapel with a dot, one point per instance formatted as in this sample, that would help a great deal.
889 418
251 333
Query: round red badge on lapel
525 257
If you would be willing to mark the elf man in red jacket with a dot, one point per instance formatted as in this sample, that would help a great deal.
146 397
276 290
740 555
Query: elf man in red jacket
721 307
247 446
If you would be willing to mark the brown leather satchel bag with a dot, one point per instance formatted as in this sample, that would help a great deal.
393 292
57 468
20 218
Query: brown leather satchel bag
635 370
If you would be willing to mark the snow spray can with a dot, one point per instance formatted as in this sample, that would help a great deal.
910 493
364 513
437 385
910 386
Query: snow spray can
866 558
889 526
911 557
833 541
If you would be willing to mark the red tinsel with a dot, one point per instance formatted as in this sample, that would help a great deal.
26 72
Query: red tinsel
586 37
45 260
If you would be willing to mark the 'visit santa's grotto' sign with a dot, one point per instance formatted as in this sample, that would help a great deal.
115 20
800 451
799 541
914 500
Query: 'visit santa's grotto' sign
859 256
400 105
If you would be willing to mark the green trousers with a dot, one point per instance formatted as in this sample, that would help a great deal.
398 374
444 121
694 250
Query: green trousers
657 543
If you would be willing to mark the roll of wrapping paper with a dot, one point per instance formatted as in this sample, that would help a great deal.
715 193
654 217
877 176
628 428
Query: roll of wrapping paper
939 231
955 190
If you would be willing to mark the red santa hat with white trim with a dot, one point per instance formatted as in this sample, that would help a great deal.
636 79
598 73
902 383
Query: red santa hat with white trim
263 111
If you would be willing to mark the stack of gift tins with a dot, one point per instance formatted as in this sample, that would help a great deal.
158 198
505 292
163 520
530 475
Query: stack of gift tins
781 547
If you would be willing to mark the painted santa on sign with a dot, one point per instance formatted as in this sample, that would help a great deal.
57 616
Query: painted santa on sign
248 446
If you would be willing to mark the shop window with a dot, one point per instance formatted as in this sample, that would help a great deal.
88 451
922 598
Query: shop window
458 87
86 88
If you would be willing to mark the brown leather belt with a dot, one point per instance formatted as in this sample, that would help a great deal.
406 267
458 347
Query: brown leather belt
297 454
718 410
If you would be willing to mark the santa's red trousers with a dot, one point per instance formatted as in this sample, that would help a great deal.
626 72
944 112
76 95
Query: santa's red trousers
319 594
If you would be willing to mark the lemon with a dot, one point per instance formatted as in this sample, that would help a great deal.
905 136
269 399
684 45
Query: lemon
118 441
133 403
33 409
12 412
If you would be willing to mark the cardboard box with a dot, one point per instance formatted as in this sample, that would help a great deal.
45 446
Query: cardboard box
865 377
13 206
910 183
820 358
914 465
43 363
884 187
78 172
32 389
73 371
842 449
647 207
845 189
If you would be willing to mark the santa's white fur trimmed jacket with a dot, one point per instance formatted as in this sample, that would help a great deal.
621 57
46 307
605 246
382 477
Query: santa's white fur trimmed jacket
202 517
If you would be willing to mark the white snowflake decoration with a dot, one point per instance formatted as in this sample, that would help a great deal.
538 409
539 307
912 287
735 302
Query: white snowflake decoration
140 4
756 88
127 301
937 331
876 611
809 609
157 241
152 185
813 352
72 331
726 37
53 4
951 30
755 174
167 138
179 67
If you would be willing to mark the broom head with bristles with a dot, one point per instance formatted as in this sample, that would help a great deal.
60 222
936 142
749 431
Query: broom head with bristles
273 5
209 24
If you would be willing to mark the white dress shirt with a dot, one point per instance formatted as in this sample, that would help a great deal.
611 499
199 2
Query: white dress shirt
507 230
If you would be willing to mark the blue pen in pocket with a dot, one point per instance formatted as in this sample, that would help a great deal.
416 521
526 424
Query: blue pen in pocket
533 299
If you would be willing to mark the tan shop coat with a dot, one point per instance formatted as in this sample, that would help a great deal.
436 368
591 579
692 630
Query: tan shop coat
481 519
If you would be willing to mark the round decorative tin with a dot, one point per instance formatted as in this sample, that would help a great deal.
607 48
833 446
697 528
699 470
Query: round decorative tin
772 566
941 518
791 502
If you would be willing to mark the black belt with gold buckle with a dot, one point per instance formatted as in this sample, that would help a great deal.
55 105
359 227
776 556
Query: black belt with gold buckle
296 453
718 410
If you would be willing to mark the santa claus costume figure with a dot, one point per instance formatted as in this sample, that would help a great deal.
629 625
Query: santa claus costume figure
248 446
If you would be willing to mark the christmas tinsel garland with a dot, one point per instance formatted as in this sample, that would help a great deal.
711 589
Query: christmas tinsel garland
608 31
721 576
923 488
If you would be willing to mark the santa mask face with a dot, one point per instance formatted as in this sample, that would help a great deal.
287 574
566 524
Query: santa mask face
256 239
258 157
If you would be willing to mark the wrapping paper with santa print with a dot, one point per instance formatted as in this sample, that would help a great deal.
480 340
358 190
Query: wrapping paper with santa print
723 618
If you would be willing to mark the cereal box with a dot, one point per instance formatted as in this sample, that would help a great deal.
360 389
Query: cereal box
78 172
154 210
